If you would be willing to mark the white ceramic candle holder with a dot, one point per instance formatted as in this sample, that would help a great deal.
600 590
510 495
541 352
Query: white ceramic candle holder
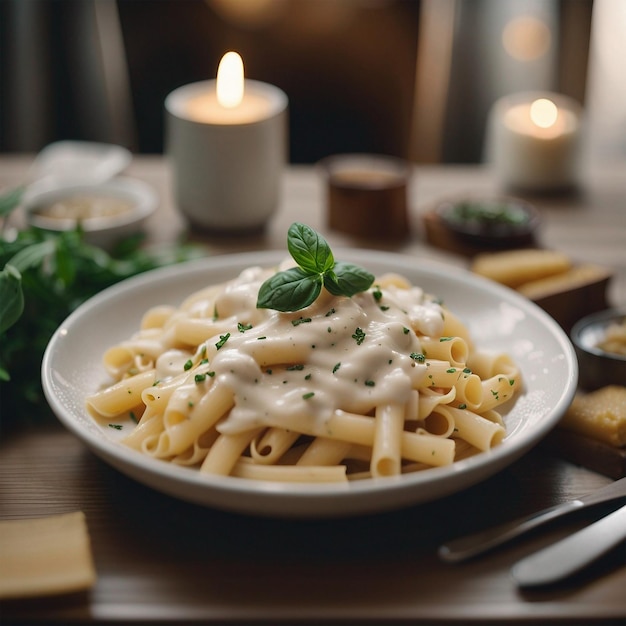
227 164
534 145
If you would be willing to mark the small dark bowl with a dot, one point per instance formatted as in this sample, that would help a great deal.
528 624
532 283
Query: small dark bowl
499 222
598 367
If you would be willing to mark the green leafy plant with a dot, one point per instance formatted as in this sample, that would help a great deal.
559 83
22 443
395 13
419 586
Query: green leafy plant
298 287
11 300
44 277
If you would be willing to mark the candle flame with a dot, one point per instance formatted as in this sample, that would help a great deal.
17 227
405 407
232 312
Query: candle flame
543 113
230 82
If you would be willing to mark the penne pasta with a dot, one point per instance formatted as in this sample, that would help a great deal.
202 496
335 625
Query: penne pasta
225 452
270 446
157 317
453 350
121 397
324 451
290 473
379 384
473 428
386 448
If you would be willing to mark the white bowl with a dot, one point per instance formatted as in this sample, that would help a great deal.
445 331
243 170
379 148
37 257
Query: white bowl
498 318
103 230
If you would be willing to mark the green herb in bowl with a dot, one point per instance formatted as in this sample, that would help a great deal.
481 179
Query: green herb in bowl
495 222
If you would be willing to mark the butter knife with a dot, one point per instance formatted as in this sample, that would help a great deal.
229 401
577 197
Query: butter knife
463 548
572 554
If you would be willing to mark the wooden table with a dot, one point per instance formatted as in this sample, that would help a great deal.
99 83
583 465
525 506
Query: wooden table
162 560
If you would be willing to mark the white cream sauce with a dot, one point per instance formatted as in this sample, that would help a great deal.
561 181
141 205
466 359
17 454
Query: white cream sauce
354 353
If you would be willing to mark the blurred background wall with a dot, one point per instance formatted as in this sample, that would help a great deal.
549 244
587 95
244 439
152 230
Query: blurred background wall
411 78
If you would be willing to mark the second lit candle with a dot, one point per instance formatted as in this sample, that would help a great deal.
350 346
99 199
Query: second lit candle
533 141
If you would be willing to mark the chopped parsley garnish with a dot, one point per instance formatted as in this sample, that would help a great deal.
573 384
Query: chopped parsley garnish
301 320
337 366
370 383
295 368
116 426
199 378
418 356
308 395
222 341
242 328
358 336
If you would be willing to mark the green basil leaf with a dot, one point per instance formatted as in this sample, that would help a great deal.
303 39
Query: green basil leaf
32 256
11 297
347 279
309 249
298 287
65 265
291 290
10 200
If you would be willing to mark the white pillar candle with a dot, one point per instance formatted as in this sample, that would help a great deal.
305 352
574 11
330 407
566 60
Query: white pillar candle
226 140
533 141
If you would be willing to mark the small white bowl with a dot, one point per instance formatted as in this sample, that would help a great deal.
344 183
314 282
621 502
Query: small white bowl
130 202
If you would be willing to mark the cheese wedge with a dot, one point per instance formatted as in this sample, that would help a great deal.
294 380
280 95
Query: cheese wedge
45 556
600 415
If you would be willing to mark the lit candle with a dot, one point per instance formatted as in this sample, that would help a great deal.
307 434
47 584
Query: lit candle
227 143
533 141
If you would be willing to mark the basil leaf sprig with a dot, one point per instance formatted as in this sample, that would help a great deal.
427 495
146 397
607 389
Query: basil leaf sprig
298 287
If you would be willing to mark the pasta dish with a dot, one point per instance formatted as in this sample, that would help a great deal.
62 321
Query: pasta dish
387 381
384 382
